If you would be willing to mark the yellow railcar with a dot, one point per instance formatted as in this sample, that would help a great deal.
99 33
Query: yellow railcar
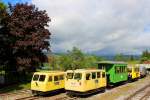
82 81
133 72
47 81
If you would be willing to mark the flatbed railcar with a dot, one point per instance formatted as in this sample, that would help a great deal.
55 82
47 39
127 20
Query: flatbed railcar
116 71
83 81
143 71
43 82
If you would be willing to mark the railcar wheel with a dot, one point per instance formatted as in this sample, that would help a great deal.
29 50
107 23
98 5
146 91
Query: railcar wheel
34 93
70 94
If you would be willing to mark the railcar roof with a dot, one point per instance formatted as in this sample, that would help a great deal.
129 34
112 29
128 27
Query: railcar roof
49 72
84 70
111 62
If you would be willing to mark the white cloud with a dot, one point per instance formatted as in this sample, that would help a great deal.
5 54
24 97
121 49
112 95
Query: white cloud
97 25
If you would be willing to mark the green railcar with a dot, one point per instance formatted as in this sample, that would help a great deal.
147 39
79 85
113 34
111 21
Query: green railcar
116 71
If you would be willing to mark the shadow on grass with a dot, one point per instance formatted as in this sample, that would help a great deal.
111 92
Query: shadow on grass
15 87
53 93
119 84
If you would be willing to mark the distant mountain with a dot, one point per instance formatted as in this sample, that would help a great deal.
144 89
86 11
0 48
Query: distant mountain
104 56
112 57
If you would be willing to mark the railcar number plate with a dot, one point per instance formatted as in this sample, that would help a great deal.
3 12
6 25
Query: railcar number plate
74 84
56 83
96 81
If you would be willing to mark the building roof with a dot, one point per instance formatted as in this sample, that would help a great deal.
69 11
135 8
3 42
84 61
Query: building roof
146 62
111 62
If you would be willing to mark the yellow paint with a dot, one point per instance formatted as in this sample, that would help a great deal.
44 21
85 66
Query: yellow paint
134 71
47 85
84 85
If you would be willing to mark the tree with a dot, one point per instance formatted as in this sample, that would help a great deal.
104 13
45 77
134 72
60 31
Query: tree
131 58
5 51
119 57
53 61
24 36
145 56
7 63
65 62
2 5
29 36
77 58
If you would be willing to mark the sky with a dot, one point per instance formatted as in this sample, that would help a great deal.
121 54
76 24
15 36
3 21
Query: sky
97 26
15 1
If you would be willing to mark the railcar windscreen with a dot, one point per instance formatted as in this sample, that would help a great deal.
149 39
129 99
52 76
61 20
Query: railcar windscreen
42 78
77 76
69 75
35 77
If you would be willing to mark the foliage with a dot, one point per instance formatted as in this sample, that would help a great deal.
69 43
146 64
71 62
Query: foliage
23 37
145 56
65 62
53 61
2 5
119 57
5 50
77 58
27 29
73 59
126 58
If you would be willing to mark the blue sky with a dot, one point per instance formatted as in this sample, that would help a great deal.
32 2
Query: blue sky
15 1
98 26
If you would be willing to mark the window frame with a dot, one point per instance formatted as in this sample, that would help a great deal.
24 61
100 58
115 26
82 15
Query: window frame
71 75
77 78
49 79
93 74
103 73
61 77
89 76
99 74
34 77
57 78
42 79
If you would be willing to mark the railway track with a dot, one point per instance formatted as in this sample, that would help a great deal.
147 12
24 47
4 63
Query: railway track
38 97
141 94
29 98
66 98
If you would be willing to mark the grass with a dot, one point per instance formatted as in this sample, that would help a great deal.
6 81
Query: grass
15 87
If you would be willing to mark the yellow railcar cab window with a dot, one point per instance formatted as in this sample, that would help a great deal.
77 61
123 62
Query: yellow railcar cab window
98 74
35 77
55 78
50 78
69 75
103 75
61 77
88 76
42 78
78 76
93 75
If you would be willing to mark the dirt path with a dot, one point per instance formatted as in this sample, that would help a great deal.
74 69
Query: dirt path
121 92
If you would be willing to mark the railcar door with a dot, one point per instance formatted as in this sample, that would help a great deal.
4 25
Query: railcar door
95 80
88 82
103 79
50 85
41 83
99 82
61 81
56 81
